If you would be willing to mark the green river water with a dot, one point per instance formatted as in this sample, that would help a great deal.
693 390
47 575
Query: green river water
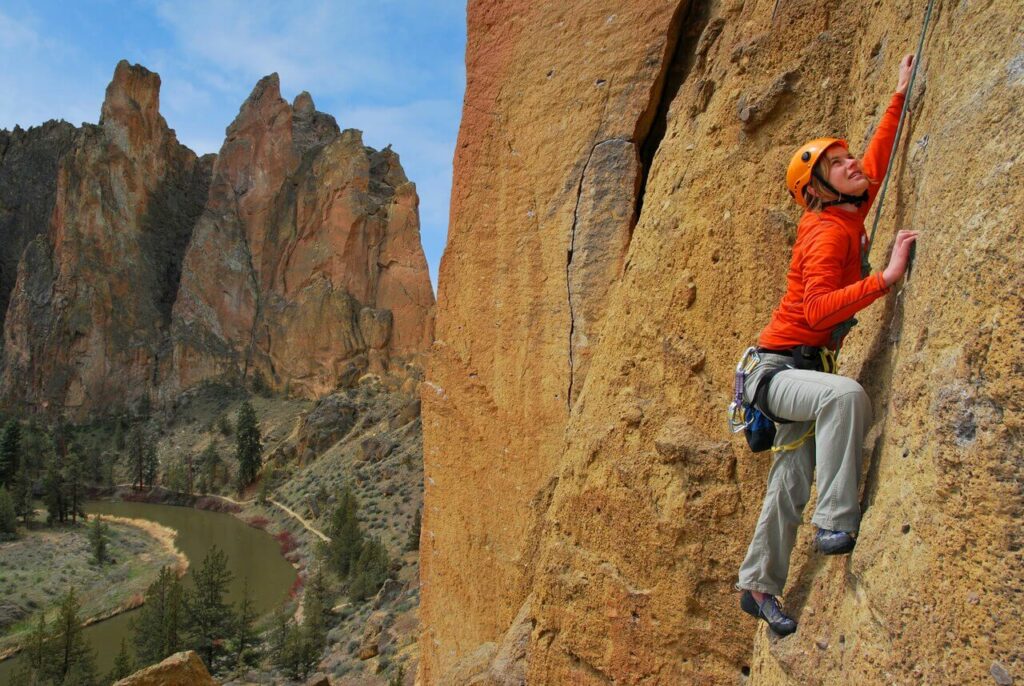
251 553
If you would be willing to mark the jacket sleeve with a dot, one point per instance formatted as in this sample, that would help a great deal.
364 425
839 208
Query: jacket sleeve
825 303
876 157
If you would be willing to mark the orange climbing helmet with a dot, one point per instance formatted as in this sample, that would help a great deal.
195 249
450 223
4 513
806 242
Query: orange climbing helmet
802 165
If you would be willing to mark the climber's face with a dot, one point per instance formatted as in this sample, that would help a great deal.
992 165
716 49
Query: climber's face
844 171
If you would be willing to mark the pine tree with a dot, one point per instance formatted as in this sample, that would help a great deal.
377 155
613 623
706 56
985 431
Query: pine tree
10 452
53 490
152 464
315 605
209 616
23 495
249 447
209 466
69 658
414 534
99 534
158 625
74 484
346 535
123 665
8 514
137 455
245 638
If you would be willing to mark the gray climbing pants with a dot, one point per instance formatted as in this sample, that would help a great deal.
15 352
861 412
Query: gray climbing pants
836 411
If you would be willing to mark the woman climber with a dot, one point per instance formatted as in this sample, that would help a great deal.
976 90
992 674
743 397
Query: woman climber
822 416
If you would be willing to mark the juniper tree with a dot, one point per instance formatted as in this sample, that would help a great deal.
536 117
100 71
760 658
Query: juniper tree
151 463
414 534
99 535
346 536
370 570
157 628
209 616
224 425
315 605
137 455
209 466
22 495
249 447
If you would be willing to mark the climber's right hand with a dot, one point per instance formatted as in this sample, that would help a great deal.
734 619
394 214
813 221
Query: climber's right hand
900 256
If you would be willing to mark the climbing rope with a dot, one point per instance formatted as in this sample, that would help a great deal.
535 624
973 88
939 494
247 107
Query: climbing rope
843 328
865 265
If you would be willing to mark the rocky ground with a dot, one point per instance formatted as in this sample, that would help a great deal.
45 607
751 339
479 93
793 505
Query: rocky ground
44 563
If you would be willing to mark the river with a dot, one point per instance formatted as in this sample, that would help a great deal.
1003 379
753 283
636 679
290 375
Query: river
251 553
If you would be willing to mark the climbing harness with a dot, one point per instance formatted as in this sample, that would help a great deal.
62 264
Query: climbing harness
758 429
754 419
738 408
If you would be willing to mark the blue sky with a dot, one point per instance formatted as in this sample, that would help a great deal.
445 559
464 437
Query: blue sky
391 68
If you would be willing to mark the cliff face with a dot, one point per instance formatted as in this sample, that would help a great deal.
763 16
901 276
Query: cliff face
620 232
92 297
28 184
134 270
314 241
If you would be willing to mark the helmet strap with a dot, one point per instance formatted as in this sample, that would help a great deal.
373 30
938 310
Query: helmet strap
843 198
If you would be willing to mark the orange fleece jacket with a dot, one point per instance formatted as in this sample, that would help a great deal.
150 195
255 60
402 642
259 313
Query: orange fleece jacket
824 283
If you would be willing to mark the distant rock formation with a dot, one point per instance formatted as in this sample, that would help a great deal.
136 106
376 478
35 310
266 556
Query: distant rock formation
620 233
314 241
91 303
132 270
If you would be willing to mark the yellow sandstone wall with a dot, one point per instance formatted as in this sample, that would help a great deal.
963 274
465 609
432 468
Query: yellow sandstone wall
619 234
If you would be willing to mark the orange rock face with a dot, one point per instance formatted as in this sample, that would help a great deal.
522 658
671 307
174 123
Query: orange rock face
608 502
314 239
181 669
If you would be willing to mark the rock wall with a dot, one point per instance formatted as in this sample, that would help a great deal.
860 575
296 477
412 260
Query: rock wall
181 669
314 239
132 270
91 301
580 482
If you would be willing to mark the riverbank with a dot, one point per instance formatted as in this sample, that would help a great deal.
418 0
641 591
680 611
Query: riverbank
41 566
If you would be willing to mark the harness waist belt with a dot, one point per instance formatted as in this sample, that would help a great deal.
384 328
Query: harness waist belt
785 353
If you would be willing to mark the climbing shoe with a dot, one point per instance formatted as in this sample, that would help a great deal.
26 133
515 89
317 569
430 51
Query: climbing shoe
830 542
769 611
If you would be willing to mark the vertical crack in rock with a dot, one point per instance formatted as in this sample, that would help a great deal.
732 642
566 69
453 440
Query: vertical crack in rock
602 226
568 276
683 39
610 195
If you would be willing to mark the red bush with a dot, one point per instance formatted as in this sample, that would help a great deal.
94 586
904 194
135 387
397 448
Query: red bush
259 522
286 541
